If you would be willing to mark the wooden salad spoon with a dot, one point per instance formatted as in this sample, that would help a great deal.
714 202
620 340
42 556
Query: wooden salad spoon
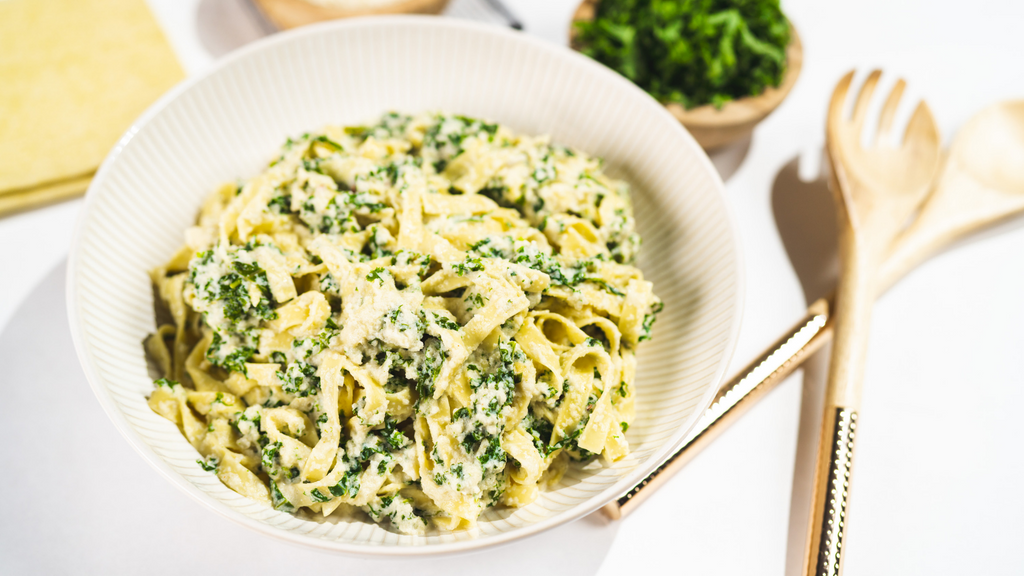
981 184
877 189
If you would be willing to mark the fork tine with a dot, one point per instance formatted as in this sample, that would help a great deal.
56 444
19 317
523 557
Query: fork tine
836 105
921 128
864 98
889 110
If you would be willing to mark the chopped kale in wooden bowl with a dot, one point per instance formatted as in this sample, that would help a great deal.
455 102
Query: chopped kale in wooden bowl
692 52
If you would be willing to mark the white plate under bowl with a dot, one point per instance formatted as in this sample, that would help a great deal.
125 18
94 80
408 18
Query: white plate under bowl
227 123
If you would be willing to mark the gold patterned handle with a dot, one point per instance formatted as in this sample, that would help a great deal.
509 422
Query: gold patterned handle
829 518
735 398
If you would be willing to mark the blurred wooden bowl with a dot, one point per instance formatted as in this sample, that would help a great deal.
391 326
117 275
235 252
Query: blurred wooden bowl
293 13
715 127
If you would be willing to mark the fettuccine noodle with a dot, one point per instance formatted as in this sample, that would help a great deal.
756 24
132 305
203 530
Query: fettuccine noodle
419 318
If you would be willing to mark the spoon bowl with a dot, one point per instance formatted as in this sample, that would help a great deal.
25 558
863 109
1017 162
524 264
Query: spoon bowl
981 183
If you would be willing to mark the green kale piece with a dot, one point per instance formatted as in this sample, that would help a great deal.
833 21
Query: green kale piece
494 456
280 204
299 378
648 323
426 373
278 499
393 437
540 429
210 464
445 135
349 483
166 382
231 358
373 248
319 496
470 265
268 458
443 322
331 144
377 275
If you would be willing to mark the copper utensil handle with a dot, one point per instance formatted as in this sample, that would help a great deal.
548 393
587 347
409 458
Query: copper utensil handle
735 398
828 520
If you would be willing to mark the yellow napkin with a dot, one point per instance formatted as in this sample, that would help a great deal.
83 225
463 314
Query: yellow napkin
73 76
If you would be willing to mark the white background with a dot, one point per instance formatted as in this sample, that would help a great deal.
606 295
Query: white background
937 483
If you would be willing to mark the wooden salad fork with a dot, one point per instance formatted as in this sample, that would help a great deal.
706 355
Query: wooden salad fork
877 189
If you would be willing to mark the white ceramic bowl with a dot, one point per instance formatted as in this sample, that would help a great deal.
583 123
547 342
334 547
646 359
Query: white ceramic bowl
229 122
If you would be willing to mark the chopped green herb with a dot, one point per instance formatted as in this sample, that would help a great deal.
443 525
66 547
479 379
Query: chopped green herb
210 464
377 275
470 265
318 496
348 485
691 52
278 499
166 383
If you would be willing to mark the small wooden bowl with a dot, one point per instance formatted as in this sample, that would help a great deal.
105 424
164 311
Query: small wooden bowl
713 127
293 13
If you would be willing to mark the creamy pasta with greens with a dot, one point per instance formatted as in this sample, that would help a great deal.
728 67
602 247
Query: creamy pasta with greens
418 318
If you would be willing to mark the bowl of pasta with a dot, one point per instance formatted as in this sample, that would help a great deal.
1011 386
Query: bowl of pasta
377 287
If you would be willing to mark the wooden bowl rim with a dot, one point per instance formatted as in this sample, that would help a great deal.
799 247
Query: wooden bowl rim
329 13
734 112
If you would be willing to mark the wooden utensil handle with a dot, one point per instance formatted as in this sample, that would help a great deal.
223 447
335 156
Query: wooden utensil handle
924 238
735 398
855 299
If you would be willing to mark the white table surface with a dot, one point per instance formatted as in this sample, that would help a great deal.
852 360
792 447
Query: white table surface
937 482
